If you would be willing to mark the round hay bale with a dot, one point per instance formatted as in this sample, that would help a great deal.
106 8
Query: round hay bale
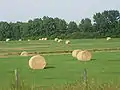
20 40
40 39
59 40
108 38
24 53
75 52
37 62
55 39
7 39
28 39
84 55
67 42
45 38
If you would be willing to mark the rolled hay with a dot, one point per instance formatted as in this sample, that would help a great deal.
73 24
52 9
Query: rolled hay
20 40
24 53
75 52
7 39
84 56
60 40
28 39
37 62
55 39
42 38
67 42
45 38
108 38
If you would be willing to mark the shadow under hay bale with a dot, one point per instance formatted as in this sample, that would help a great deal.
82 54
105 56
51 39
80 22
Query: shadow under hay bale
92 59
49 67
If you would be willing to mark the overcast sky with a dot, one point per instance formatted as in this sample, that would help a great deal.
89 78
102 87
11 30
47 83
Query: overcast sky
74 10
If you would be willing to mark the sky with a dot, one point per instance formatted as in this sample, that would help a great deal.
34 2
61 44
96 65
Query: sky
70 10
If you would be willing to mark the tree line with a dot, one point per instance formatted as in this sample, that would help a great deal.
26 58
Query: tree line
104 24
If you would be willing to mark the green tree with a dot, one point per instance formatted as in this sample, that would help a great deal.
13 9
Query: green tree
72 27
4 30
105 22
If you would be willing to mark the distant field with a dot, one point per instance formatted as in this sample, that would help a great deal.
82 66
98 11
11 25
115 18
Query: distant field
61 68
52 46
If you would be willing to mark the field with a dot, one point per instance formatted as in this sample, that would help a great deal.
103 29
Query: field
61 66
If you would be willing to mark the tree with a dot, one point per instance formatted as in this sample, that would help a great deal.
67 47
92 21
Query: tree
85 25
4 30
60 28
72 27
105 22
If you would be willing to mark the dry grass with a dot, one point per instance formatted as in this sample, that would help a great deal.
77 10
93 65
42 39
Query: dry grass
77 85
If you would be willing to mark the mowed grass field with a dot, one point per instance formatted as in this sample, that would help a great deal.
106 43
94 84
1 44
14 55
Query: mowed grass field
61 68
52 46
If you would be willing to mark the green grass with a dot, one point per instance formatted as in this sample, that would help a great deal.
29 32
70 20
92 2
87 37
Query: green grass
62 69
51 45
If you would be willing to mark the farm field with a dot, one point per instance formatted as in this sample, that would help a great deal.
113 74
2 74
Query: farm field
61 68
16 47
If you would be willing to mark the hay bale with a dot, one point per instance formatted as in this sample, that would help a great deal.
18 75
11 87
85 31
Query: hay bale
20 40
84 55
67 42
75 52
108 38
7 39
37 62
55 39
60 40
40 39
24 53
45 38
28 39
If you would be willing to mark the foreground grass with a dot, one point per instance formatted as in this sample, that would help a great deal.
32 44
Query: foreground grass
62 69
78 85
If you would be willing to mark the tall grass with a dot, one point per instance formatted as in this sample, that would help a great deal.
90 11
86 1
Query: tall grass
78 85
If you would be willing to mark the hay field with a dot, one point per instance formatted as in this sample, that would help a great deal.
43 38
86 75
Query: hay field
61 68
16 47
